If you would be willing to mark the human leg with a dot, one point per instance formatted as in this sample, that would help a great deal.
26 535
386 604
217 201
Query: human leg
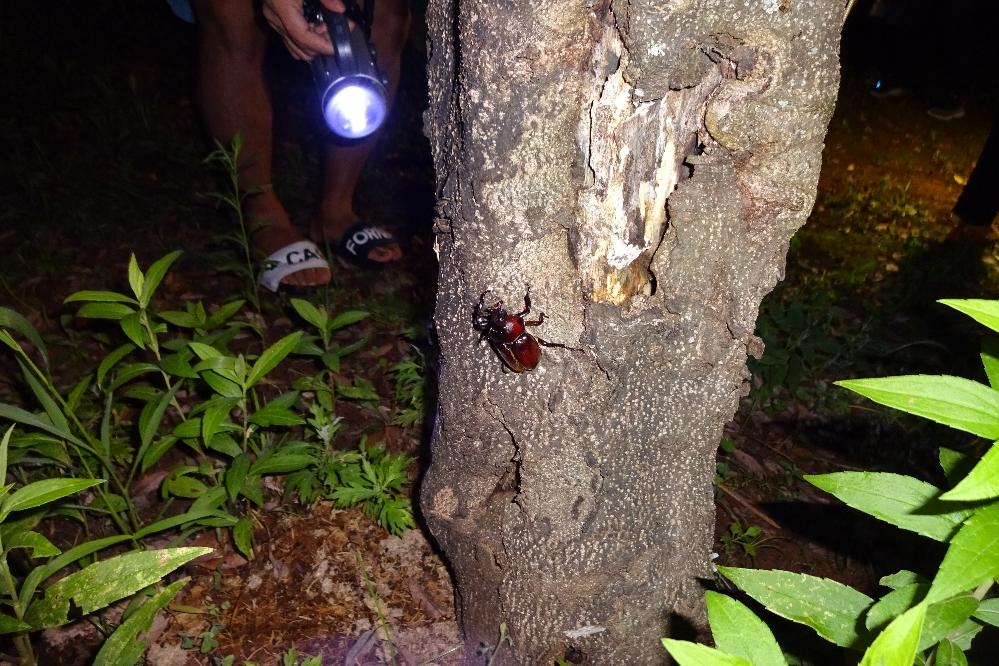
234 99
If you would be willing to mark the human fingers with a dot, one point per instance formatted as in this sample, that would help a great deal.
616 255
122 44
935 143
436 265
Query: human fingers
286 17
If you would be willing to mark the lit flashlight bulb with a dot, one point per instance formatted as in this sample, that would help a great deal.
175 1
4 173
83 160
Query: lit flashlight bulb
352 89
354 111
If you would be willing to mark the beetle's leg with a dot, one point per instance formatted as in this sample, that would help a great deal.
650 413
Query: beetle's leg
540 320
527 305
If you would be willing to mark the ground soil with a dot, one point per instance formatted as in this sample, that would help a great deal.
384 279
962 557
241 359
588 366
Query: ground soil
104 158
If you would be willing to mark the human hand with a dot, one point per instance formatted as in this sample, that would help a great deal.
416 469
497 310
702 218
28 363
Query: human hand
303 39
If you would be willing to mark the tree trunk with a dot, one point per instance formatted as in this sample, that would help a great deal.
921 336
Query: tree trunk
640 167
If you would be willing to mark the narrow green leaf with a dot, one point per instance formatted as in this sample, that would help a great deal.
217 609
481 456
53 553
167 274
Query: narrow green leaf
213 499
179 318
114 311
985 312
190 516
901 500
105 430
281 463
331 360
227 366
42 492
307 346
954 401
179 365
19 415
99 297
178 484
154 275
235 476
894 604
253 490
944 617
35 542
15 321
223 443
988 612
310 313
11 625
131 326
222 386
112 502
949 654
44 398
38 575
188 429
4 443
135 276
832 609
990 360
972 557
963 635
103 583
8 339
955 465
214 417
126 373
149 421
347 318
694 654
223 314
982 482
126 645
203 351
271 356
156 451
242 536
76 394
277 412
738 631
896 645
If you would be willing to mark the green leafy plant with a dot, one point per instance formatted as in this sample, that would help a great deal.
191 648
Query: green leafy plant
747 539
91 588
374 479
409 379
323 346
369 477
801 333
63 431
229 158
919 620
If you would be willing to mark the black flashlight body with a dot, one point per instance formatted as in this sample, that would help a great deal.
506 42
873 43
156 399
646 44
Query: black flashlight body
352 64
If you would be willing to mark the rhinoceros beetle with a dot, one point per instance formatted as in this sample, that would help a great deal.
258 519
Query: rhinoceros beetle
507 333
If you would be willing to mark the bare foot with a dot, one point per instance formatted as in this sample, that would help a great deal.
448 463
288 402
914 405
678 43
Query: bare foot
271 230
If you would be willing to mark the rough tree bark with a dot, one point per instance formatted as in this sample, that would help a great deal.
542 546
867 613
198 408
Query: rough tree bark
641 166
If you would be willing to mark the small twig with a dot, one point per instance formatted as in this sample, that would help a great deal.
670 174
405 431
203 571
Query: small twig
382 618
438 656
749 506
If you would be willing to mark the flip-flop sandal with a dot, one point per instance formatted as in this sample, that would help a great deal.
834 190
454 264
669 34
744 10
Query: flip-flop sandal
298 256
358 241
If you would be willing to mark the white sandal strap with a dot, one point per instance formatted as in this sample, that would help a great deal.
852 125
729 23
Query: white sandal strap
299 256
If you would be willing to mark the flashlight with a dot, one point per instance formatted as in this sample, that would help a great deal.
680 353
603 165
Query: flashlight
352 90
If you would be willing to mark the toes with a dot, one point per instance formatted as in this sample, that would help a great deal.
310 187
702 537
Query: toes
312 277
386 253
